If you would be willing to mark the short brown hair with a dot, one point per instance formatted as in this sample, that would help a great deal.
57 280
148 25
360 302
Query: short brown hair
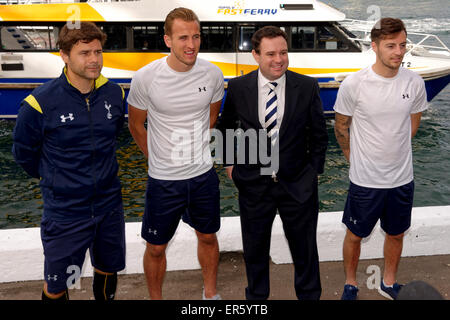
85 32
184 14
267 32
385 27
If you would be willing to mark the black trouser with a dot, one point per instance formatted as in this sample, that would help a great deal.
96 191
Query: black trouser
258 206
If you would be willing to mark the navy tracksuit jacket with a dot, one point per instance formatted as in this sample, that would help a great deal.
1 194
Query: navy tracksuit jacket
68 140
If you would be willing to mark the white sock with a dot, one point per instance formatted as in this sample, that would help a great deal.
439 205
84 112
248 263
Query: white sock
384 284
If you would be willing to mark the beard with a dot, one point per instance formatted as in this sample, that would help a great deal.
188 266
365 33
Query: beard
387 63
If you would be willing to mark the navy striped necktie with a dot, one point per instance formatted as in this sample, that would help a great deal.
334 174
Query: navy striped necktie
270 114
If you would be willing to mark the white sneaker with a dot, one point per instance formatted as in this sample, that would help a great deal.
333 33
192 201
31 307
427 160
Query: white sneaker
215 297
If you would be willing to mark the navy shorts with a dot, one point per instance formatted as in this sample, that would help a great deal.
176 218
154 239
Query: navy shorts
365 206
65 245
195 200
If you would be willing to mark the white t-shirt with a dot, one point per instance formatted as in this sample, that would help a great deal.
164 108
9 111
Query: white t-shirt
380 131
178 109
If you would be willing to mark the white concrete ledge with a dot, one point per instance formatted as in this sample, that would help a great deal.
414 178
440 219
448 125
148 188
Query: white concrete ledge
21 254
429 234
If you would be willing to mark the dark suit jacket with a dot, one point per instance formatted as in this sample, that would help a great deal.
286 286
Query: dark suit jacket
303 137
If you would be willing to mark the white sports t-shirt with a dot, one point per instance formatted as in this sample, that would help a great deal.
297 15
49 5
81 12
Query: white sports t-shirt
380 131
178 109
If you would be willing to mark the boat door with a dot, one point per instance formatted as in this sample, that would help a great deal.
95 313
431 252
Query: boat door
245 62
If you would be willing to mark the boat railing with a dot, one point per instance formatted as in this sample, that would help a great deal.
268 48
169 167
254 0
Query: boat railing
34 41
418 44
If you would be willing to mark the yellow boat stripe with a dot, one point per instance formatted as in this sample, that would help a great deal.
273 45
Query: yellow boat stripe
33 103
133 61
322 70
50 12
230 69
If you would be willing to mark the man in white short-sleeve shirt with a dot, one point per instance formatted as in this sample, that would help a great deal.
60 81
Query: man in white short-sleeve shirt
378 111
180 98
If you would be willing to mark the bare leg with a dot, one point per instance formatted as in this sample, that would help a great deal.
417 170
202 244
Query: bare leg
155 269
393 246
208 257
351 252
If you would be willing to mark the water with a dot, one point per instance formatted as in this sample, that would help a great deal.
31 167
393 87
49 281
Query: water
431 146
21 204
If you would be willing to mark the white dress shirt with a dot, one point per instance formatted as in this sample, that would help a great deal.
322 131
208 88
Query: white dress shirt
263 92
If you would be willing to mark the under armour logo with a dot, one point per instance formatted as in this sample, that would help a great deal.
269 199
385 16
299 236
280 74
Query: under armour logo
107 107
54 277
70 117
405 96
351 220
152 231
200 89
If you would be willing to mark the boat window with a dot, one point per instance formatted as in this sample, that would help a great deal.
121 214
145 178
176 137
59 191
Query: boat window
217 38
317 38
149 38
29 38
326 39
346 31
303 37
116 37
245 37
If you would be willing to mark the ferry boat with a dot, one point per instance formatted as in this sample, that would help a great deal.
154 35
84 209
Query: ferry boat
322 42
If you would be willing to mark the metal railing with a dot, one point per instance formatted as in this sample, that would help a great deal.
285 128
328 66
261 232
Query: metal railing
417 47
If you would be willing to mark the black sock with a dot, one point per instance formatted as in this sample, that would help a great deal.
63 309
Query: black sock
104 286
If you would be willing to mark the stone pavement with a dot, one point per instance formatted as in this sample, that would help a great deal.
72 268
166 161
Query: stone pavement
187 285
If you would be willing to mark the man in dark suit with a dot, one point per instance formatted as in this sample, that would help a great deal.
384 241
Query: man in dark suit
286 107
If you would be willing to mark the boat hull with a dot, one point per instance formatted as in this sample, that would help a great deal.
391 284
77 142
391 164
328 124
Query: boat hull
13 91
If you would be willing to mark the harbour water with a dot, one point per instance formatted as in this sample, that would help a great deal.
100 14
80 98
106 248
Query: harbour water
21 203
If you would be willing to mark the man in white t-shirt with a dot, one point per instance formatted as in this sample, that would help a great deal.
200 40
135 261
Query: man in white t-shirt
180 97
378 111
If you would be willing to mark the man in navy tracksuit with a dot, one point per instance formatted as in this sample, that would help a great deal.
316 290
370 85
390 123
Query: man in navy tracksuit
65 135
